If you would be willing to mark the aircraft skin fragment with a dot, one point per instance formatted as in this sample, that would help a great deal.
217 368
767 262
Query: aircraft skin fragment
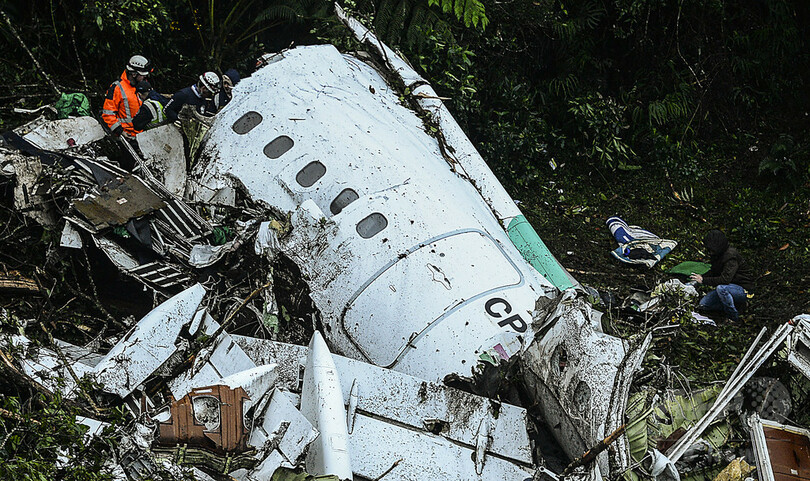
64 134
572 371
162 148
119 201
149 344
799 345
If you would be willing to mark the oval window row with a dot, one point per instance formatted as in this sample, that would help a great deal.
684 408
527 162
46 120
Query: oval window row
367 228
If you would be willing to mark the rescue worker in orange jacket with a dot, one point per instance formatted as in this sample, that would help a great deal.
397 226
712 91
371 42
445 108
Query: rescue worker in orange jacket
121 103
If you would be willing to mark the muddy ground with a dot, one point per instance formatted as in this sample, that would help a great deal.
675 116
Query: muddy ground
767 219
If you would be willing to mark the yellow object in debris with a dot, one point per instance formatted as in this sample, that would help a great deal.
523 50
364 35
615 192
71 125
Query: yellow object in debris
736 470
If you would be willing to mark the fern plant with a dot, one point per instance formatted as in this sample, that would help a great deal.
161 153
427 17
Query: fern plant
228 26
404 22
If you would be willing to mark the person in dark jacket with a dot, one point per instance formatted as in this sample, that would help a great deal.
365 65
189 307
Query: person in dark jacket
199 95
150 114
730 274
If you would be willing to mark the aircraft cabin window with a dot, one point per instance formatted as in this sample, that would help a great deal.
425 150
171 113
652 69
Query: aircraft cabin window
278 146
246 122
372 225
342 200
311 173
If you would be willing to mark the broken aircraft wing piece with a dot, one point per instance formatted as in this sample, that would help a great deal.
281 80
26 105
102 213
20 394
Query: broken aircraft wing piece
401 421
149 344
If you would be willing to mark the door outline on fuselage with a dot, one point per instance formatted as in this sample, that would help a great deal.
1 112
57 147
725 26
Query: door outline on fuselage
446 313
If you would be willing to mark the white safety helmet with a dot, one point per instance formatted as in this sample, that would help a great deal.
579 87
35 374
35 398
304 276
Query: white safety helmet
210 81
140 65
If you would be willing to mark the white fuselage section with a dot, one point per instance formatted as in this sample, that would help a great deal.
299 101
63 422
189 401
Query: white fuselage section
405 260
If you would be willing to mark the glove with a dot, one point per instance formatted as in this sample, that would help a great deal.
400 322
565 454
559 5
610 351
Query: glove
118 131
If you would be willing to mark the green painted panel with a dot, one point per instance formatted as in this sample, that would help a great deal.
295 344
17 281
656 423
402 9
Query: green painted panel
532 248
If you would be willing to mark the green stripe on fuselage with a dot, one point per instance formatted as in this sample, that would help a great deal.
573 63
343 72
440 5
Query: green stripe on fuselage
532 248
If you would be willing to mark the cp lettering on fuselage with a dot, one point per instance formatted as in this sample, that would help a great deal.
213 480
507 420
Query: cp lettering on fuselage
499 308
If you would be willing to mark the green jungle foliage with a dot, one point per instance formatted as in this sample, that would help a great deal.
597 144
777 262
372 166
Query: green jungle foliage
680 115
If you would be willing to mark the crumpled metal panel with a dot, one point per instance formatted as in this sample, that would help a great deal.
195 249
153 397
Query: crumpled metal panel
161 274
46 367
799 345
149 344
30 197
63 134
572 371
224 358
118 201
163 153
404 400
283 427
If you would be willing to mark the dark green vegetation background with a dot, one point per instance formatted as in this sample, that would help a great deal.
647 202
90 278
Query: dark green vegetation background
678 115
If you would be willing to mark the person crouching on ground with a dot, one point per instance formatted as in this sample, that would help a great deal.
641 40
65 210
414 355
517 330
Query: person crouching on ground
730 274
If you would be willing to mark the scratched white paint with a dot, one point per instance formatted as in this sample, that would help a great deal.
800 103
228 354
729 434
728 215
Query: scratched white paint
63 134
413 296
149 344
394 411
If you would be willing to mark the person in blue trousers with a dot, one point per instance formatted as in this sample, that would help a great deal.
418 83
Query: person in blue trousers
730 275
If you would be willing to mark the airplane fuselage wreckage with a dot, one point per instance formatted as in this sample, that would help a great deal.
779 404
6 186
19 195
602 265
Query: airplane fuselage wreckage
419 265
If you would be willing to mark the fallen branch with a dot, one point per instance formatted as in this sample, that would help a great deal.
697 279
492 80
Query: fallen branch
16 283
25 47
591 454
396 463
595 273
71 30
8 368
189 362
10 415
